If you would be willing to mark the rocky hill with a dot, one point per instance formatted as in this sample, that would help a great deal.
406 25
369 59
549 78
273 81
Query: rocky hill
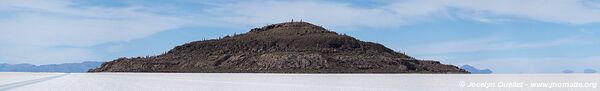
291 47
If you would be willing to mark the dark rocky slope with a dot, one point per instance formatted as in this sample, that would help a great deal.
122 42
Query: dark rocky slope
292 47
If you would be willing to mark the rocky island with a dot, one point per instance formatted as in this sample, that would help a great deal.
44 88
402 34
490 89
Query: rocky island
290 47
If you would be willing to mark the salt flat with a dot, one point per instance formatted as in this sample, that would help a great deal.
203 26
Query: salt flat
290 82
12 77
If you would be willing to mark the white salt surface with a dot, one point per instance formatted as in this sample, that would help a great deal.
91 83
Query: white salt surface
295 82
12 77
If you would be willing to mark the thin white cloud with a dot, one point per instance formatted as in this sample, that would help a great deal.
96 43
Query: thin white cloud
34 28
57 25
560 11
318 12
48 24
482 44
396 13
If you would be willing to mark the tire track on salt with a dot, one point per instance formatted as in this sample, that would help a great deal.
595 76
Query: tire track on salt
9 86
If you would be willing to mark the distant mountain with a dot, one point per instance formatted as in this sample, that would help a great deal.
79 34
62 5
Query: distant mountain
291 47
66 67
568 71
474 70
589 71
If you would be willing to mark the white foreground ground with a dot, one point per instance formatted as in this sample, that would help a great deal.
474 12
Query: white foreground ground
294 82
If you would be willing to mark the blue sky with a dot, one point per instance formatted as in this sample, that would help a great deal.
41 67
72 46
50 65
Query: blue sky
507 36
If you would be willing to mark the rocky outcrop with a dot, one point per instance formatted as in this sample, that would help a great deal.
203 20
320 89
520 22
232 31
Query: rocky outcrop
291 47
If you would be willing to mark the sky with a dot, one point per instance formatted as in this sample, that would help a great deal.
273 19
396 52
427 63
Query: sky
507 36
